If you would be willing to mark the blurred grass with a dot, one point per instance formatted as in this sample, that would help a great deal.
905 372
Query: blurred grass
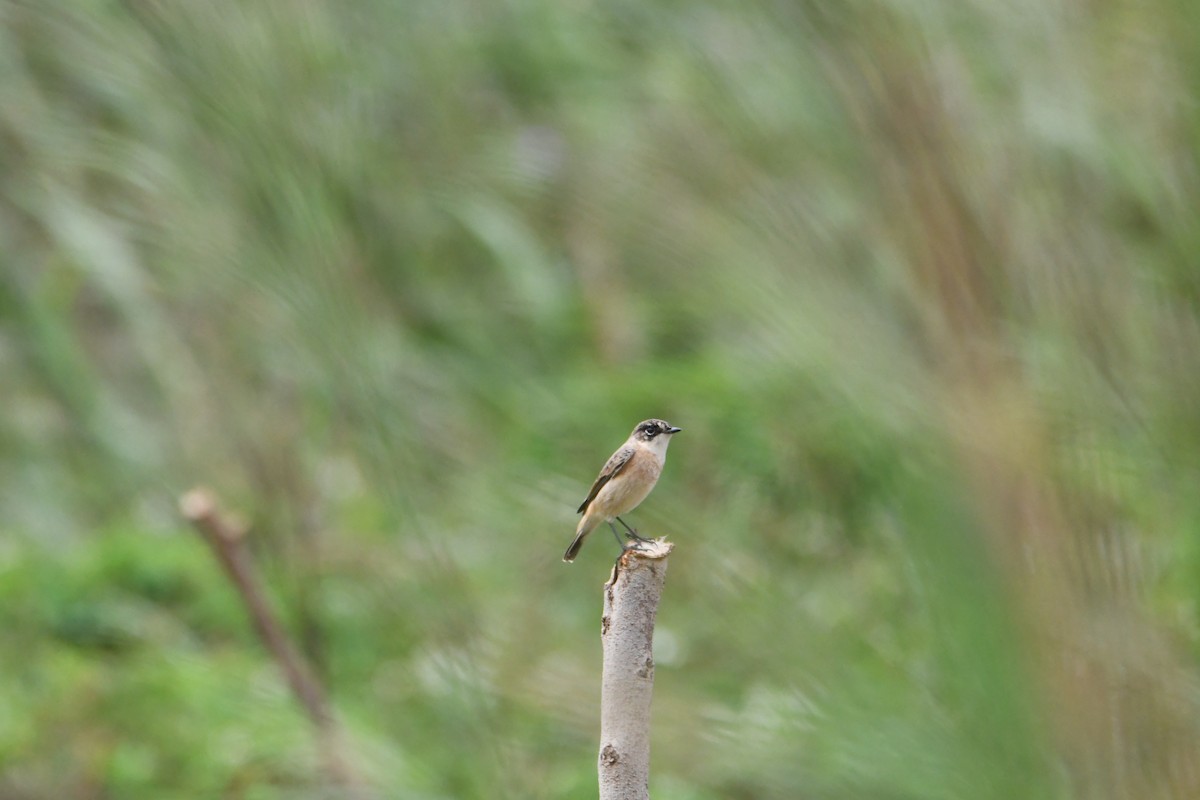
918 280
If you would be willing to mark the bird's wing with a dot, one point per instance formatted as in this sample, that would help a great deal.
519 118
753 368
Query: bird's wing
611 470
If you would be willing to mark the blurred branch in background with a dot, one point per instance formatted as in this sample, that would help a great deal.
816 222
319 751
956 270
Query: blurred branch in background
226 539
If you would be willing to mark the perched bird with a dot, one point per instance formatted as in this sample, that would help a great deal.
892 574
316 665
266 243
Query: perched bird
625 481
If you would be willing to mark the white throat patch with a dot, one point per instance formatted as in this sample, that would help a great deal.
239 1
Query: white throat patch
658 445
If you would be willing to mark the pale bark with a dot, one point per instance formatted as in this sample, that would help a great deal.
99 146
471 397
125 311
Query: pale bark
627 634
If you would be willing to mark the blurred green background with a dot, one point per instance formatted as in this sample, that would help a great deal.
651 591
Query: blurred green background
918 278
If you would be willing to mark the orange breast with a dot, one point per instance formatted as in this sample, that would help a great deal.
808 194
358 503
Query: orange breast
624 492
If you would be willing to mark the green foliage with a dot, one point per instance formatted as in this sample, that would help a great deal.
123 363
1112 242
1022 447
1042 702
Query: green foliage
916 278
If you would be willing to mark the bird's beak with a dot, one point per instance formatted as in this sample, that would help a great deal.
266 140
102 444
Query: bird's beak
674 430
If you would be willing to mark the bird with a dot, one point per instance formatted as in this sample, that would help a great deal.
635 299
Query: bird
626 479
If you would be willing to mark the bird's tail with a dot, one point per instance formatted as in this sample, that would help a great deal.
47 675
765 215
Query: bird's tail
585 527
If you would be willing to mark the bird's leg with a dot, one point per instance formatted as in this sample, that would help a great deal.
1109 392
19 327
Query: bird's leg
624 546
632 533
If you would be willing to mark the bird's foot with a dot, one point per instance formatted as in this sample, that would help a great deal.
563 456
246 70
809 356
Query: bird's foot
631 533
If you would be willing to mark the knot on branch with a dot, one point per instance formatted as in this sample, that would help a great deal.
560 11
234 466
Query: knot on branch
609 756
